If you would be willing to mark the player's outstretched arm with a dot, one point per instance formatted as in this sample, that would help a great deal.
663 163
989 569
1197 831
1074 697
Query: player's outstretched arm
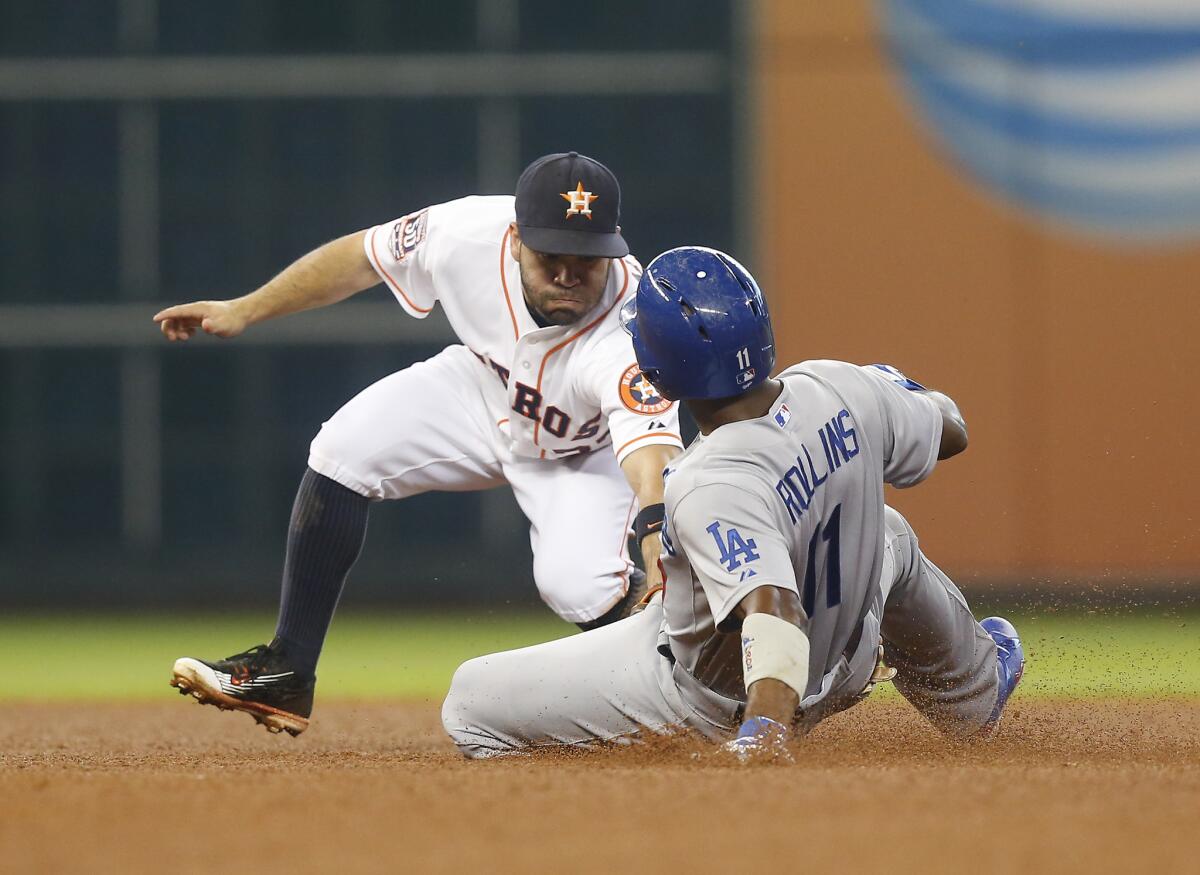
644 470
771 697
775 662
954 428
328 274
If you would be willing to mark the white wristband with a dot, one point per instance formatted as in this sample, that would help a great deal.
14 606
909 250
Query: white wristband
774 648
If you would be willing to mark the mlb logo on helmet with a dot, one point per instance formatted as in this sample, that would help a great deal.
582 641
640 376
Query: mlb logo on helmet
1085 113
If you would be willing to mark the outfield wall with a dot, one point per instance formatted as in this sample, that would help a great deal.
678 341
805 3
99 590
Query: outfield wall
1071 352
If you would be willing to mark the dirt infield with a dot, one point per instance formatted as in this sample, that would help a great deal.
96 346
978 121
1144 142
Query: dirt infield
176 787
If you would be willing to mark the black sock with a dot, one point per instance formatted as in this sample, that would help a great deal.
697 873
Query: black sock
328 527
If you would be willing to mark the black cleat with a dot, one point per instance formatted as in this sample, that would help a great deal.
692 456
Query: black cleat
257 681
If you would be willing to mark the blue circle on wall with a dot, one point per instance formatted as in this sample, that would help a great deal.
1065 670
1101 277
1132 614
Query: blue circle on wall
1082 112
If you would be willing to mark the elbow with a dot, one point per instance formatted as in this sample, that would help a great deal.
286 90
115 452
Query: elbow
954 437
954 427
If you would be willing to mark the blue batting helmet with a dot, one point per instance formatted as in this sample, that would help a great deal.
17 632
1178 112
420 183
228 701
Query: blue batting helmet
699 325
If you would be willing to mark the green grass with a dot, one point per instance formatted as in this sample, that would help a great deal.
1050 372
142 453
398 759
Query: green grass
381 656
367 656
1088 655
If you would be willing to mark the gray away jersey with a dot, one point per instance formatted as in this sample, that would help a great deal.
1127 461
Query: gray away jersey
793 499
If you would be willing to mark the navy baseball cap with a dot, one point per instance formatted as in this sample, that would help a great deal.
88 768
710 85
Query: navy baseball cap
570 204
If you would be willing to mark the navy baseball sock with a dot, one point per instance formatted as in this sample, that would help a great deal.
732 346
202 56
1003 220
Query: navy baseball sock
326 534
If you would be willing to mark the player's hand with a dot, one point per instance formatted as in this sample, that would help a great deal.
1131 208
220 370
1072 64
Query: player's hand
760 739
655 585
222 318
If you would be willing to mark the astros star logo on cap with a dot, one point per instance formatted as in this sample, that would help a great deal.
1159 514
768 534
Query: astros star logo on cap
580 201
590 190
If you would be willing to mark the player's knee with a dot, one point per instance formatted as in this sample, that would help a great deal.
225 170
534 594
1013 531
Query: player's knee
895 523
334 453
550 569
469 711
333 442
573 589
902 541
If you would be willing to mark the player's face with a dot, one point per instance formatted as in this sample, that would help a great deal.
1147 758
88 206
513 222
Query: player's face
561 288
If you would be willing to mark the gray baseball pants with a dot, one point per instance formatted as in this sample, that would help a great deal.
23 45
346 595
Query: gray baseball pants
613 682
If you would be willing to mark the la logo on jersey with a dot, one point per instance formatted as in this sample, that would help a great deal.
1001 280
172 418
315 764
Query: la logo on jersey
580 201
734 549
639 394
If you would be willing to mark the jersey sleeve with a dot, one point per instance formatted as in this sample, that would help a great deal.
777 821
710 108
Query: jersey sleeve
912 426
732 543
636 414
402 252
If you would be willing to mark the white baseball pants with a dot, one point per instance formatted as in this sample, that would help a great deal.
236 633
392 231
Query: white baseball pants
438 426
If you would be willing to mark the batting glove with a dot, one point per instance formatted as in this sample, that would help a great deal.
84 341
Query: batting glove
761 739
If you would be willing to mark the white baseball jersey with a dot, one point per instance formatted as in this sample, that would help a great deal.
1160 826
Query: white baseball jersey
555 391
793 499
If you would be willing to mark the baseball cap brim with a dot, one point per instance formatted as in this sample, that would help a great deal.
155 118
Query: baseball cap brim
557 241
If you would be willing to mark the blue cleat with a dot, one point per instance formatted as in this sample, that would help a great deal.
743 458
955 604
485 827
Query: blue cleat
1010 663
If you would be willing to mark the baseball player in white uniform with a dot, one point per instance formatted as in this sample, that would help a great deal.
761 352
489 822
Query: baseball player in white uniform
542 393
789 584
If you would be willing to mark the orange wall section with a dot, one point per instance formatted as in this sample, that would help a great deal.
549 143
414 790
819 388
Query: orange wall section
1075 365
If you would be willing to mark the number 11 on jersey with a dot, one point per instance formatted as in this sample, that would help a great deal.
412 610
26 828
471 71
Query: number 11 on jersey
829 532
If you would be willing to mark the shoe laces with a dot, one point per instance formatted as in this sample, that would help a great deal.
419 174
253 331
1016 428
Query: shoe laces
250 661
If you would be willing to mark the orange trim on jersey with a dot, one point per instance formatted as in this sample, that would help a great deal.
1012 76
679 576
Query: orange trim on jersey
504 282
500 422
388 279
652 434
624 551
542 370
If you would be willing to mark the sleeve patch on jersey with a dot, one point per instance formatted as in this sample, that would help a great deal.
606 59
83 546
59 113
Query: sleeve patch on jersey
408 233
639 395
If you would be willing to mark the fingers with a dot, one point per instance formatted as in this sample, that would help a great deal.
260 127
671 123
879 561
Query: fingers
178 329
181 321
194 310
218 318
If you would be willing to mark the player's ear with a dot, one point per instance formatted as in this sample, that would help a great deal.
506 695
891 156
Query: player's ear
514 241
